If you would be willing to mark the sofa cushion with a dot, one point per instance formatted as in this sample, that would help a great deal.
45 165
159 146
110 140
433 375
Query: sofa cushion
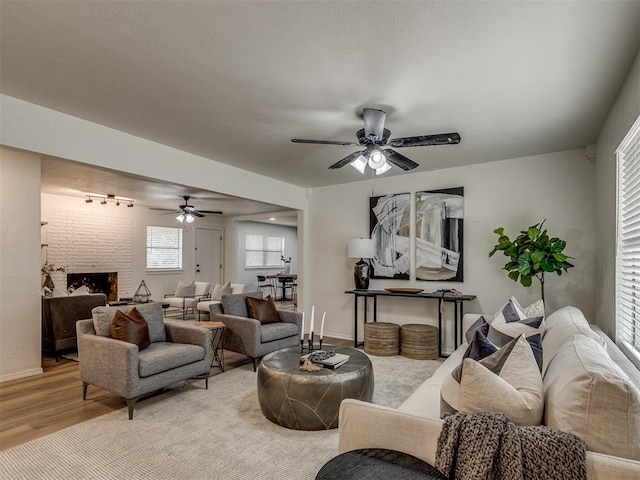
481 325
480 347
277 331
163 356
220 290
262 310
185 289
588 395
561 326
152 313
508 381
130 328
237 305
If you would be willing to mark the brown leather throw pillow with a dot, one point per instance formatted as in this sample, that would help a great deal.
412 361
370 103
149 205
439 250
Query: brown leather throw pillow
262 310
131 328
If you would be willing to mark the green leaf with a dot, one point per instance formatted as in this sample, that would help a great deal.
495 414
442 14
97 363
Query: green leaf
499 231
504 240
536 257
533 232
546 266
492 252
514 275
559 257
525 280
558 246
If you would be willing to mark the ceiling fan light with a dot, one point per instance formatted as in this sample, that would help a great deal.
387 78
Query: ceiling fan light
376 159
180 218
359 164
190 218
384 168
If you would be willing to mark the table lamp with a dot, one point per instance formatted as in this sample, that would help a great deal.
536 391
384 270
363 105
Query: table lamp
361 248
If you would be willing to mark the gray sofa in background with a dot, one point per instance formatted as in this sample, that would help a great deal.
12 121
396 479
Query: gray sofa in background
248 336
59 317
177 352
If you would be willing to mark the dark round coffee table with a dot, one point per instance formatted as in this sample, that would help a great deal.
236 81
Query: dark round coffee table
302 400
378 464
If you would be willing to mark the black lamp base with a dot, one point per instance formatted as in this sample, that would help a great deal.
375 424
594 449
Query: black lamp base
361 275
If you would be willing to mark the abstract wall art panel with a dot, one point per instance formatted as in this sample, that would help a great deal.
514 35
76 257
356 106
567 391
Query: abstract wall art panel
439 235
390 223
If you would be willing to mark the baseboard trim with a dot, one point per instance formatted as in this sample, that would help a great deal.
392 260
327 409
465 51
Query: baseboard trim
24 373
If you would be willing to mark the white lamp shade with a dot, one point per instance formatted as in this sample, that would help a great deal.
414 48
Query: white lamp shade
361 248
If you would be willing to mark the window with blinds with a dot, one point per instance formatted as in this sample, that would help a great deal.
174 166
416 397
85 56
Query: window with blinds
263 251
164 248
628 248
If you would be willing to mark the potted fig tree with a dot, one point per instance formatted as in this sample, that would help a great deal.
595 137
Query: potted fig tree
532 254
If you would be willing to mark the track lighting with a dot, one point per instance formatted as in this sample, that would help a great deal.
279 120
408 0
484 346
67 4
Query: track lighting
104 199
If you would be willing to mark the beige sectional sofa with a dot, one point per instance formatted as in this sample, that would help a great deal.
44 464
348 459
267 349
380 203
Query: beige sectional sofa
590 389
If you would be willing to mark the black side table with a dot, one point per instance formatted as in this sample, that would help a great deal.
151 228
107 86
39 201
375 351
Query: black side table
378 464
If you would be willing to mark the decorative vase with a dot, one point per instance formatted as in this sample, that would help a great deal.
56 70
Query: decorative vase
287 268
48 282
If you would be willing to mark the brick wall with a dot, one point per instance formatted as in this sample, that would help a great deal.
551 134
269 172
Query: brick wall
89 242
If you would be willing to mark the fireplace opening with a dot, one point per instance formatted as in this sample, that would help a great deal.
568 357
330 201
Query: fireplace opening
104 282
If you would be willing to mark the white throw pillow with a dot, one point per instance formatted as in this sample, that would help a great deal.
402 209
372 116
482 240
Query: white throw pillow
82 290
512 321
536 309
507 381
220 290
186 289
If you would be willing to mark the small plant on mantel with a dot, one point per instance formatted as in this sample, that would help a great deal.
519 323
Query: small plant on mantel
532 254
49 268
285 260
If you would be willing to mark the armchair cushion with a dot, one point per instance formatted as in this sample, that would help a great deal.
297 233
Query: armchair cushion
263 310
163 356
221 290
277 331
185 289
152 313
131 328
202 289
237 305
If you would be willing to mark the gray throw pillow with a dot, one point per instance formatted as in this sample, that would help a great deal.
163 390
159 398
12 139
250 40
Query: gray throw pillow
237 305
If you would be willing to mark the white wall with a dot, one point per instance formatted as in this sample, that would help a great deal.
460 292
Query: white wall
20 337
621 117
242 228
513 193
94 221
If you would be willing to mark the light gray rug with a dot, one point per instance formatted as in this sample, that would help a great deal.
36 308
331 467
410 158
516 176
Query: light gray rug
192 433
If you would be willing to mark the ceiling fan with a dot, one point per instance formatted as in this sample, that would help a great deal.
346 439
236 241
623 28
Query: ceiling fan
188 212
374 136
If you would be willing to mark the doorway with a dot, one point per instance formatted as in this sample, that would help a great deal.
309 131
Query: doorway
208 256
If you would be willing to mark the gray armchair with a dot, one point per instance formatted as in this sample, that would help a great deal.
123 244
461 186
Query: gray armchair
177 352
248 336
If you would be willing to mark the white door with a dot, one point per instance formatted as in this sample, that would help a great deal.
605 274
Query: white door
209 256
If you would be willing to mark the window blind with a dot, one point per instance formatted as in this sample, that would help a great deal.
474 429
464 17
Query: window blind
164 248
628 248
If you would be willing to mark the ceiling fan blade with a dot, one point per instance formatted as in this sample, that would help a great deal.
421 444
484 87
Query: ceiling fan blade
348 159
211 212
324 142
373 122
196 213
399 160
426 140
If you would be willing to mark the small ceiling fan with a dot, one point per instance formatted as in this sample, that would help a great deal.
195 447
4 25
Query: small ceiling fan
188 212
374 136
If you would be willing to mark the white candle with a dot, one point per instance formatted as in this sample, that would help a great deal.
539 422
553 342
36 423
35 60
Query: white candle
302 328
322 326
313 309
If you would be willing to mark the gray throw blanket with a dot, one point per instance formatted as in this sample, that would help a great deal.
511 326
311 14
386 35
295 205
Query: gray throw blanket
488 446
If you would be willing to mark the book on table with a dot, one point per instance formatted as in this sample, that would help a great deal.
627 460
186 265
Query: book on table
331 360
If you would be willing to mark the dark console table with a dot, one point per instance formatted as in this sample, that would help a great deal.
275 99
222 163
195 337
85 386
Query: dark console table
447 297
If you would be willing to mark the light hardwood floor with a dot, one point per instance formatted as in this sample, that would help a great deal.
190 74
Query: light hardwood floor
36 406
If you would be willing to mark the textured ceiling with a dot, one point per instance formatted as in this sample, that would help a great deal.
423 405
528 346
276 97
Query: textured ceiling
234 81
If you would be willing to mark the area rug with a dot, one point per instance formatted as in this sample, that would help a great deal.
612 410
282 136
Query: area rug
193 433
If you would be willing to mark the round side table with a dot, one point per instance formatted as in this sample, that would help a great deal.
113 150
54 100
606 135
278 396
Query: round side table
378 464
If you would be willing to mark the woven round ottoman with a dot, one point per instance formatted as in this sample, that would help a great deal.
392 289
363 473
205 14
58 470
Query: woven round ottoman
419 341
382 339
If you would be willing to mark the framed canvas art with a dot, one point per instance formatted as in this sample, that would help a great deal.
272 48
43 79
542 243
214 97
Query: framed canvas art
389 223
439 235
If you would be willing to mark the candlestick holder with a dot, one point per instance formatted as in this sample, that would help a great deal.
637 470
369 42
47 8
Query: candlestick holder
310 348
